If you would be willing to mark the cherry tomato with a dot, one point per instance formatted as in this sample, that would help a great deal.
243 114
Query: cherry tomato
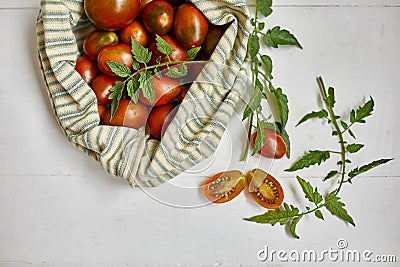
101 109
158 17
111 14
185 89
117 53
165 90
86 68
213 36
178 55
101 86
96 40
127 114
190 26
137 31
224 186
159 119
143 3
264 189
274 145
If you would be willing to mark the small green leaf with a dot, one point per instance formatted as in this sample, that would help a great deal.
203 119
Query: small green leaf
253 46
336 207
267 65
253 104
359 170
147 85
330 99
362 112
314 114
285 138
311 158
192 53
293 225
353 148
311 193
282 215
135 65
157 73
260 139
163 46
331 174
277 36
133 90
177 72
283 107
261 26
116 94
318 214
119 69
140 53
264 6
344 125
352 134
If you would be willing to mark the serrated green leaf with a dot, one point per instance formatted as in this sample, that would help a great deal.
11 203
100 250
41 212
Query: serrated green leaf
267 65
253 104
311 193
146 83
177 72
362 112
277 36
282 215
264 6
140 53
116 94
260 138
311 158
330 99
331 174
344 125
359 170
336 207
285 137
314 114
133 90
352 134
163 46
353 148
119 69
318 214
135 65
283 107
192 53
253 46
293 225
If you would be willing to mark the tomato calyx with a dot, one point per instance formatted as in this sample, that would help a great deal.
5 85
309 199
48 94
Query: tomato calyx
224 186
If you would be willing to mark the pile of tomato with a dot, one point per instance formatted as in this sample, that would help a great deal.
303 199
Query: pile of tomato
178 22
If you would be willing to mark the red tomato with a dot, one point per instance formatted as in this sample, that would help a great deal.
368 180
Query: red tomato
185 89
143 3
158 17
127 114
159 119
96 40
101 109
178 55
213 36
86 68
264 189
111 14
190 26
137 31
117 53
224 186
165 90
101 86
274 145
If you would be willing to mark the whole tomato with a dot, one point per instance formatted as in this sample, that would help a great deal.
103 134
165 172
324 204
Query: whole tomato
127 114
117 53
96 40
111 14
101 109
143 3
137 31
190 26
87 68
178 55
274 145
213 36
101 86
158 17
165 90
159 119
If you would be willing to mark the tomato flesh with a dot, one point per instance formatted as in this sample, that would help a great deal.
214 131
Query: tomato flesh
224 186
264 189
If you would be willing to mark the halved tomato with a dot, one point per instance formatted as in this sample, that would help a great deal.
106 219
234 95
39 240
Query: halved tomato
224 186
264 189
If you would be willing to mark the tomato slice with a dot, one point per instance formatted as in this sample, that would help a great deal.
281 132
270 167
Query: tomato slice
224 186
264 189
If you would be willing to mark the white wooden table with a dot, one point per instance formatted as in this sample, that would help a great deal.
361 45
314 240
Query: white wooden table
59 208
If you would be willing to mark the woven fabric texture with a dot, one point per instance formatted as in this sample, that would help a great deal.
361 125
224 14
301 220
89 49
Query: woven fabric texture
196 129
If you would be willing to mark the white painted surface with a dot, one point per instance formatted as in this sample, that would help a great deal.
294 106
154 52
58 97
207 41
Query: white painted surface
59 208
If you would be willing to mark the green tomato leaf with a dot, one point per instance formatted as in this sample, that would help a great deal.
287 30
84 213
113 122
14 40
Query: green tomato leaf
311 158
293 225
133 90
116 94
314 114
285 137
330 99
267 65
135 65
336 207
140 53
163 46
283 107
319 214
331 174
253 46
359 170
192 53
264 6
362 112
277 36
119 69
282 215
311 193
146 83
353 148
253 104
260 139
175 72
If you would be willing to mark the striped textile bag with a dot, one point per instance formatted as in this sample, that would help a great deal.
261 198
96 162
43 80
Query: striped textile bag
124 152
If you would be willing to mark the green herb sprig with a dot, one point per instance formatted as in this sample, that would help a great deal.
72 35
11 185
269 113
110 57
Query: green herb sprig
142 78
291 215
261 68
